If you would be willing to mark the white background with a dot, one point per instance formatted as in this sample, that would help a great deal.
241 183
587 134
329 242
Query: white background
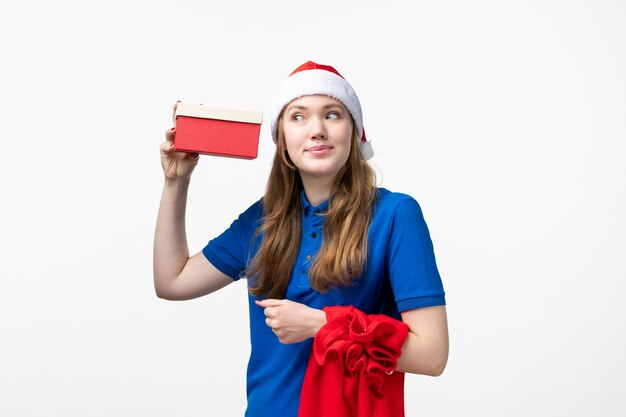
504 119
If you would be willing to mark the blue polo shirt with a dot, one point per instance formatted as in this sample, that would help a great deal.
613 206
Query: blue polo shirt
400 274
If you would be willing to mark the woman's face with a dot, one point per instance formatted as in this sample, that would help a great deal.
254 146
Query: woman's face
318 133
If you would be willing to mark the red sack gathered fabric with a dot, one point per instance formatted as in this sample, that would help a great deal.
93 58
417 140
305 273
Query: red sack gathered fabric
351 368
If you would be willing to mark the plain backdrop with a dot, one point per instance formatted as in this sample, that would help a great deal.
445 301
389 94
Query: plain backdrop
504 119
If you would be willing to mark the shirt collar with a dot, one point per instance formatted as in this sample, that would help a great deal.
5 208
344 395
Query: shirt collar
309 208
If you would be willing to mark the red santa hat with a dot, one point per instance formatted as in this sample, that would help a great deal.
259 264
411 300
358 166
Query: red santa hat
311 79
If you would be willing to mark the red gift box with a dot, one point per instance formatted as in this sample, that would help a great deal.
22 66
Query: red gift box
215 131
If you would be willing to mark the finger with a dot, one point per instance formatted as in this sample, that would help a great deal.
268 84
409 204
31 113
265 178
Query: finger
268 321
192 157
170 134
167 147
270 302
174 112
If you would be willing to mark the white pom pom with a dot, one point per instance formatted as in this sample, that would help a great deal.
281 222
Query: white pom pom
366 150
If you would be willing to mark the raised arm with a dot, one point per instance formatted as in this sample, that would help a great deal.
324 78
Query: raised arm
176 275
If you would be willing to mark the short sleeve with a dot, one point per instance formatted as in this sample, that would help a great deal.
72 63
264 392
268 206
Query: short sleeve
230 251
412 268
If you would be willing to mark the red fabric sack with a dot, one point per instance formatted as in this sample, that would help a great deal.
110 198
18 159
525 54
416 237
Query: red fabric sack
351 368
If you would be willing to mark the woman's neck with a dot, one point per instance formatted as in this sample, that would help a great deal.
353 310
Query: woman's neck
317 189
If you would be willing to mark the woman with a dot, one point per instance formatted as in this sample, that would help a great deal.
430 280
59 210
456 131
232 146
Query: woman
323 235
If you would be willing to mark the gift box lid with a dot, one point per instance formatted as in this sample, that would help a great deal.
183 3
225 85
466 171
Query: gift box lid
206 112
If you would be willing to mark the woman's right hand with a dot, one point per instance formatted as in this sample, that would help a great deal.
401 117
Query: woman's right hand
176 165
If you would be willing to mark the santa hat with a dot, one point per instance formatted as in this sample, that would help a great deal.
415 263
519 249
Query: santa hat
311 79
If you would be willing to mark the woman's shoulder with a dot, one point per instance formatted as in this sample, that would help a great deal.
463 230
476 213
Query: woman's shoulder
253 213
392 198
392 204
257 206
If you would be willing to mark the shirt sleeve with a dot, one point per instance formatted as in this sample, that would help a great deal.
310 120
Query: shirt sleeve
230 251
412 268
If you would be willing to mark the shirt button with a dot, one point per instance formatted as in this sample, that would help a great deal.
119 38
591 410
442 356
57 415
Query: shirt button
313 235
308 257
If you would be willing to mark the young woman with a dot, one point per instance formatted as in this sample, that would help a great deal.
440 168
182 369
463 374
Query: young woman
322 235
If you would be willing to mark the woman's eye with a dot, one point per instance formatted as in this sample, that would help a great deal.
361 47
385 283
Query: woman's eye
298 117
332 116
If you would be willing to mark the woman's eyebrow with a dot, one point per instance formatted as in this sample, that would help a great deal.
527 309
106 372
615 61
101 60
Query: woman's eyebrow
296 107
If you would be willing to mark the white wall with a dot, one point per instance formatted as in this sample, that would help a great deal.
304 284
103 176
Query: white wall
505 120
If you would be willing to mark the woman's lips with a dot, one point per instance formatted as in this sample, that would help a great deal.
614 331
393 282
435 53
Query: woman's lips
319 150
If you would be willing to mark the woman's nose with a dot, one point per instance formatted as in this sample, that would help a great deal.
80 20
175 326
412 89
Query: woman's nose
318 129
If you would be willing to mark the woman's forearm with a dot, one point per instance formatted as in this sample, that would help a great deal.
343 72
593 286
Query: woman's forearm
427 354
170 240
420 357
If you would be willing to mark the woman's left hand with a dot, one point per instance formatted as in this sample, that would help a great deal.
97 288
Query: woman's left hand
292 322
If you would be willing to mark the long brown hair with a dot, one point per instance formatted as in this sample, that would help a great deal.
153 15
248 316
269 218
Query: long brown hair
343 253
